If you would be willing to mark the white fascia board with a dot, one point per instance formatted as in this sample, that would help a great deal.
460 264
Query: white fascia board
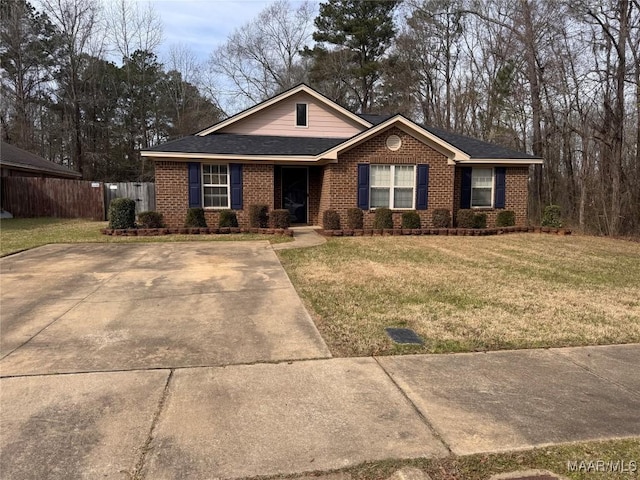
267 103
501 161
185 157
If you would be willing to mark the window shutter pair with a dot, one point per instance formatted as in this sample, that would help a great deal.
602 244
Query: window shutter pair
422 188
499 191
195 185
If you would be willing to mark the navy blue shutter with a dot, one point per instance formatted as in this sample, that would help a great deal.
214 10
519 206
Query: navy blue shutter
363 186
195 185
422 192
501 187
235 171
465 188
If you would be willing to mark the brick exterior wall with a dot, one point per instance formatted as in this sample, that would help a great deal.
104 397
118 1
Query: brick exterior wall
334 186
516 195
172 192
340 184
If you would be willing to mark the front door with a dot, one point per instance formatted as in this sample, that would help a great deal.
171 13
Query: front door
295 192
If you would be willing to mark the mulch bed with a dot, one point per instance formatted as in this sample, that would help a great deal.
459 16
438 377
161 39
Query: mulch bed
443 231
152 232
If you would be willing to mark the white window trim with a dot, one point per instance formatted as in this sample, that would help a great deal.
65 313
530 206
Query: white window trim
295 116
228 185
493 188
392 186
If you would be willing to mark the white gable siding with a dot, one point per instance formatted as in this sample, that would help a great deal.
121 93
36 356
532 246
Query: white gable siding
280 120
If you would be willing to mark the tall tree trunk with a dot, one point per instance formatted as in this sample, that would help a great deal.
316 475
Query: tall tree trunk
537 147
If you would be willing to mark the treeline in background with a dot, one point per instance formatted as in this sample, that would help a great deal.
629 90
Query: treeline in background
84 84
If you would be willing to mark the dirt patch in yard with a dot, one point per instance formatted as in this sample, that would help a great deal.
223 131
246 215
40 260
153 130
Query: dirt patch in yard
470 293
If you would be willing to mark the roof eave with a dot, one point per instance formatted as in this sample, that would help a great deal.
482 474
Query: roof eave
186 156
31 168
499 161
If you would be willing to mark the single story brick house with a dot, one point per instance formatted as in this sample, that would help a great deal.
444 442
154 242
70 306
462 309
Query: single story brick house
303 152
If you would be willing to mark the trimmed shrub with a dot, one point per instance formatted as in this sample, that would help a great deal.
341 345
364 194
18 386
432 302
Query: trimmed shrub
280 218
506 218
441 218
258 216
150 219
464 218
228 218
480 220
410 220
383 219
122 213
195 218
552 216
355 219
330 220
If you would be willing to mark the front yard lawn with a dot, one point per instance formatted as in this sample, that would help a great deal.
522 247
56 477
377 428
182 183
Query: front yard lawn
18 234
470 293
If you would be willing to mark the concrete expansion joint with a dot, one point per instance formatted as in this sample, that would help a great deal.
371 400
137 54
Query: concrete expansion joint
138 471
422 417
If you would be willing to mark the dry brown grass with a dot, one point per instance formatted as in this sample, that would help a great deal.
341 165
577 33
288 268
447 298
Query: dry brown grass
470 293
17 234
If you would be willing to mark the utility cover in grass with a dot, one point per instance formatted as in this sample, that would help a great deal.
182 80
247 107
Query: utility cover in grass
404 335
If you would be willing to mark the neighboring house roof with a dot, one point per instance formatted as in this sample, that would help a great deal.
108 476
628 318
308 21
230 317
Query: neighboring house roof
17 159
233 144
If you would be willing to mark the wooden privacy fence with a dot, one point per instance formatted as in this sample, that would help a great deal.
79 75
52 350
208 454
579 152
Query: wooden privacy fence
144 193
63 198
52 197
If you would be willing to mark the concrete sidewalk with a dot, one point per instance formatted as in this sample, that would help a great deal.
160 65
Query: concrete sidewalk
303 237
300 416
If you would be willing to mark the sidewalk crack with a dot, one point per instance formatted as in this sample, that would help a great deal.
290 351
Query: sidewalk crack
138 471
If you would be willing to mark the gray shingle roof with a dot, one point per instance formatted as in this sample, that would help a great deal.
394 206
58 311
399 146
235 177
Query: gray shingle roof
374 119
477 148
232 144
12 156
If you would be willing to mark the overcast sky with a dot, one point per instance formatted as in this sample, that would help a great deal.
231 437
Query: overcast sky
204 24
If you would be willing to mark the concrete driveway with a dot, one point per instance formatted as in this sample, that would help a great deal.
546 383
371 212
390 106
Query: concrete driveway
86 308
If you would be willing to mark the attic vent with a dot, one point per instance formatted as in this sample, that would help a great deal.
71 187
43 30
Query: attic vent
393 142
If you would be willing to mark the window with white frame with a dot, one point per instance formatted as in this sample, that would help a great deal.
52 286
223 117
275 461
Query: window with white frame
392 186
215 186
482 187
301 115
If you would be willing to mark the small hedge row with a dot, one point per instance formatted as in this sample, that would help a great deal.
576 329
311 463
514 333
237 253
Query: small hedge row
258 218
383 218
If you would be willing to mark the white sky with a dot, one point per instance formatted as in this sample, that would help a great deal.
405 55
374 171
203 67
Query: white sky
202 25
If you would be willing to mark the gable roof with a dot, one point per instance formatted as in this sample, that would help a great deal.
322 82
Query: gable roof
286 94
18 159
211 144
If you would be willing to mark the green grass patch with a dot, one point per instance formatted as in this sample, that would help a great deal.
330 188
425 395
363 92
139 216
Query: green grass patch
470 293
17 234
558 459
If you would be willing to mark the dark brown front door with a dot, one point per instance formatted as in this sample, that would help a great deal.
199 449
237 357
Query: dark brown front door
295 192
